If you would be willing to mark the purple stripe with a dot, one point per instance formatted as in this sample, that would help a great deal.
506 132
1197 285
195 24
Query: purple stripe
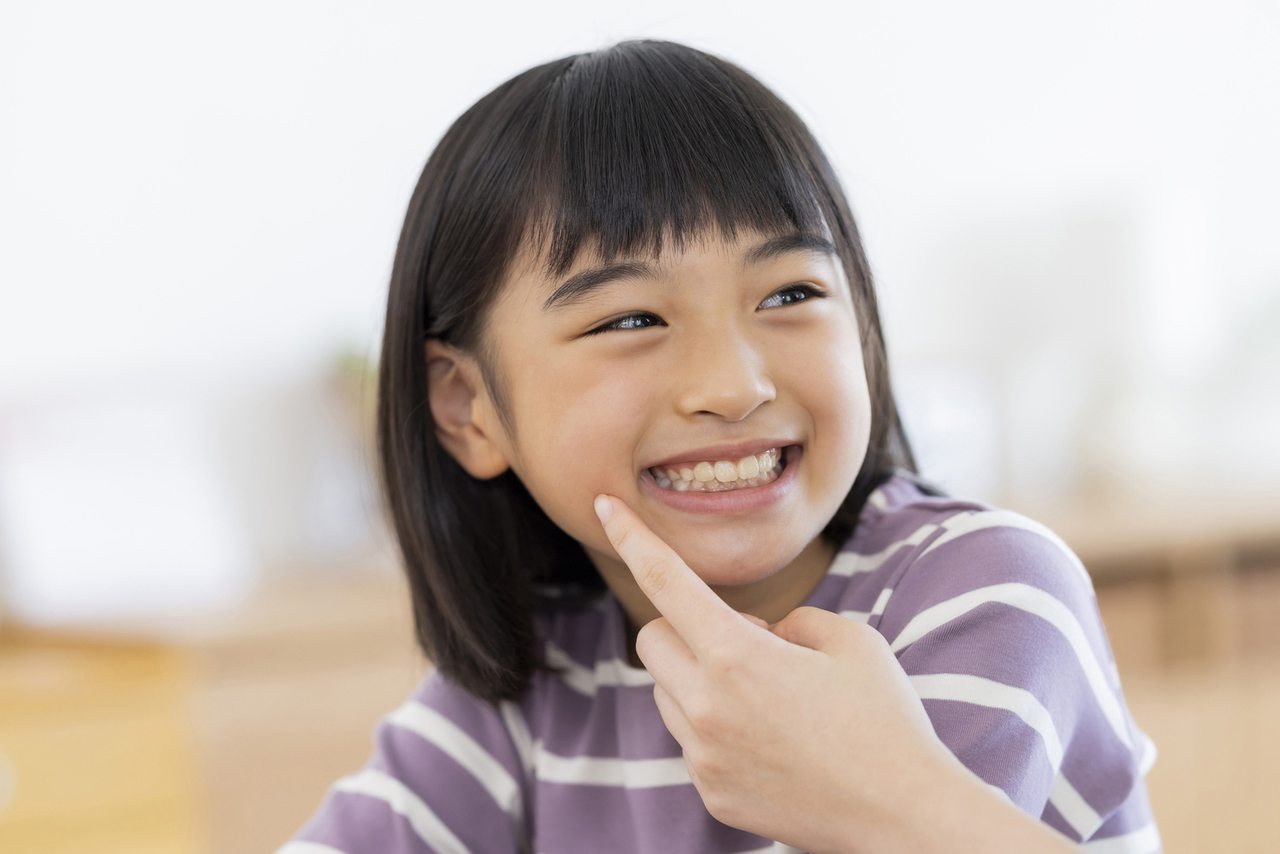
1101 769
993 556
577 725
620 722
1135 814
1054 819
663 820
861 592
827 595
645 733
880 532
359 824
998 746
450 790
579 633
479 720
1012 647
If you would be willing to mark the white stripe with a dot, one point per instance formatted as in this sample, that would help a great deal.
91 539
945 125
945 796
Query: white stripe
463 749
401 799
1084 820
968 522
608 771
611 672
775 848
876 610
519 732
994 695
1033 600
1149 754
850 563
877 500
298 846
1142 841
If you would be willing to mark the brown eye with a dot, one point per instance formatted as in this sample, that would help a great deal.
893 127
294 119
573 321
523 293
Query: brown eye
792 294
628 321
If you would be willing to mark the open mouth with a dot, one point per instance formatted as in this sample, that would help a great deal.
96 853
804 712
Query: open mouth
721 475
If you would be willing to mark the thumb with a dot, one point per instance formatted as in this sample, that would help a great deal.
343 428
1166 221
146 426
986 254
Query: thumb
816 629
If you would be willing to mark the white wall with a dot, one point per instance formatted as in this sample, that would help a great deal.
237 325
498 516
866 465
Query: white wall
208 196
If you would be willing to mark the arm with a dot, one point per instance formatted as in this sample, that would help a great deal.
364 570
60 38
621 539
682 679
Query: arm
807 732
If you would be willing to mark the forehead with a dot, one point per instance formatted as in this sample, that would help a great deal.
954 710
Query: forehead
533 272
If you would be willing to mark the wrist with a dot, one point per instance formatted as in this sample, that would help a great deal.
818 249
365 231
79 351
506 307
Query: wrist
908 807
947 809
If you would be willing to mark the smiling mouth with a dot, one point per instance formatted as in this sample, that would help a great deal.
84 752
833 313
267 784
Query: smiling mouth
721 475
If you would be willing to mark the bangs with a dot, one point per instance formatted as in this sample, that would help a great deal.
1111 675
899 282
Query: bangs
643 144
616 152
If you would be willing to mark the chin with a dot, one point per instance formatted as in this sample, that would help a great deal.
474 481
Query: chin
720 569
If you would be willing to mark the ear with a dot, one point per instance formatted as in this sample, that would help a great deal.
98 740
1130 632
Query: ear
466 423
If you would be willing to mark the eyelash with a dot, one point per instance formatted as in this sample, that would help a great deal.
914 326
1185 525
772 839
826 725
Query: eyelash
809 291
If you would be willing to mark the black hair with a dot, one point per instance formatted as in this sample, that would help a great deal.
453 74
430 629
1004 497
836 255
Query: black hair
619 150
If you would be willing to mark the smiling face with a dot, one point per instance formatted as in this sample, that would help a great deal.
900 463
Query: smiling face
618 376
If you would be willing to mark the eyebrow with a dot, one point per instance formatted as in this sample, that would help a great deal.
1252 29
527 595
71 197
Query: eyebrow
786 244
580 286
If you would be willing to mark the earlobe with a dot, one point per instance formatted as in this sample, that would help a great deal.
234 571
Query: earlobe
462 411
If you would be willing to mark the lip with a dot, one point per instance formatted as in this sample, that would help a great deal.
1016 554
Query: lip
731 451
733 501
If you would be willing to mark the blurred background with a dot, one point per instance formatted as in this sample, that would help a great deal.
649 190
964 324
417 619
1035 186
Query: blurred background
1070 210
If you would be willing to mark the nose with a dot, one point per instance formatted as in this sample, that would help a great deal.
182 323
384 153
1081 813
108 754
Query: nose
723 375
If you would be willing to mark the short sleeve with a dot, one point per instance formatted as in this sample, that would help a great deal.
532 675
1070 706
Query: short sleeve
447 776
996 624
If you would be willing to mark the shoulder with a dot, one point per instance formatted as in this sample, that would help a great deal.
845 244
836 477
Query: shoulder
987 591
936 548
448 770
994 619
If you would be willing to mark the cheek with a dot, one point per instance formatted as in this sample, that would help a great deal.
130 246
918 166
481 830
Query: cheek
575 435
830 382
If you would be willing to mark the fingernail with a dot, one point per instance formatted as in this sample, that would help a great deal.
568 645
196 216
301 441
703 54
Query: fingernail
604 508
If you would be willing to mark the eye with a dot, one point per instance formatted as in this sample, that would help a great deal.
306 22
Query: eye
792 294
637 320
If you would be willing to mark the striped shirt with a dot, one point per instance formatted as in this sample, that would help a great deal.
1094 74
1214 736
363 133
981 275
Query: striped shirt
991 615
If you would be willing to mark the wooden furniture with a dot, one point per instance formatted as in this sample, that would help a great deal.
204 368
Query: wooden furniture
212 734
98 750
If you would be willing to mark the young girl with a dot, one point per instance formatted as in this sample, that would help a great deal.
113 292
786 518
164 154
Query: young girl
630 308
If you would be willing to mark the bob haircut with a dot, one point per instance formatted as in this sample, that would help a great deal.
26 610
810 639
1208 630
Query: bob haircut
617 150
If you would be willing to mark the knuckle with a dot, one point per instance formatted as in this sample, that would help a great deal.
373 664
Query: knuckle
808 613
721 658
654 575
808 618
649 637
618 537
719 801
702 715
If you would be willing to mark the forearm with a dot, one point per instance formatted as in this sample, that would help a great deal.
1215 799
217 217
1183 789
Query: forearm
948 809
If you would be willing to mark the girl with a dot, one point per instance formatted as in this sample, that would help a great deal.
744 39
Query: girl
633 359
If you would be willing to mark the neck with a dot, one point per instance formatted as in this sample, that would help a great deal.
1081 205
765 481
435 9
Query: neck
770 598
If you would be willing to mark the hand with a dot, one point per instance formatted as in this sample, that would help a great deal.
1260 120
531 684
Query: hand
807 732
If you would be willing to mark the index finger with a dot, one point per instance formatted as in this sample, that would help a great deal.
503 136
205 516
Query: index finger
690 606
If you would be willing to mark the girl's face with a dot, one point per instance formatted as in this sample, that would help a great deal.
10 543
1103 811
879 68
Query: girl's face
709 362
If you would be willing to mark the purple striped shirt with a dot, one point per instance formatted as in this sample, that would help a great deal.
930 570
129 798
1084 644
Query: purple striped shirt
990 614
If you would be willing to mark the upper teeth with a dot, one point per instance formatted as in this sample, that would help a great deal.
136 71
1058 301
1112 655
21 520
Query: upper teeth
708 474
